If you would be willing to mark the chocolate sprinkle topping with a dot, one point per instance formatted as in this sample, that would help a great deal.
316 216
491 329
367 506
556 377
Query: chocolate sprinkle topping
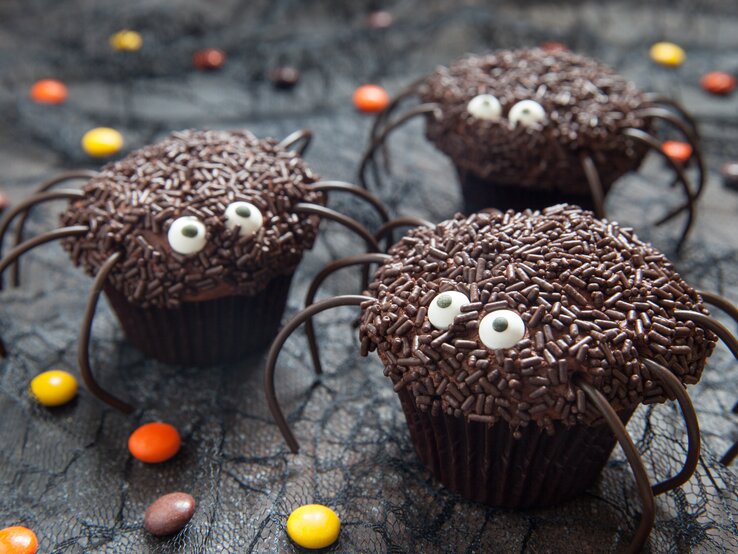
565 258
587 107
131 203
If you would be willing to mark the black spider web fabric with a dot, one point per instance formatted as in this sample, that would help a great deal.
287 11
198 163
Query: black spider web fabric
66 473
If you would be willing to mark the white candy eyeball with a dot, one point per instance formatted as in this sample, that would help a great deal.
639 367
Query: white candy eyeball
445 307
485 106
244 215
528 113
187 235
501 329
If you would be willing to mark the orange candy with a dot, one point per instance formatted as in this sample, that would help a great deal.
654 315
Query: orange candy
370 98
18 540
718 82
553 46
49 91
680 152
154 442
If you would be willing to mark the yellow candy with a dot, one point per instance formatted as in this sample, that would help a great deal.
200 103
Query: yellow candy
313 526
102 142
126 41
667 53
54 388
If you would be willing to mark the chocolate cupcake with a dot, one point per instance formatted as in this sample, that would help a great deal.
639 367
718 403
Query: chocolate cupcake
208 238
491 327
529 128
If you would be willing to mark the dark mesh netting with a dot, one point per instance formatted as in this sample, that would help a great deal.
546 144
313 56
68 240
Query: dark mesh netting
66 473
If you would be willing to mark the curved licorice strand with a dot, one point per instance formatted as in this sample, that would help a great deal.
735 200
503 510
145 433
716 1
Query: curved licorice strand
362 259
422 109
385 114
342 186
634 459
43 187
653 99
595 184
83 346
727 337
274 350
720 302
691 138
303 135
23 209
405 221
713 325
30 244
349 223
672 384
655 145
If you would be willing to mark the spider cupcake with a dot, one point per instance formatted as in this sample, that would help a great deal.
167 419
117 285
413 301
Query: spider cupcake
530 128
194 241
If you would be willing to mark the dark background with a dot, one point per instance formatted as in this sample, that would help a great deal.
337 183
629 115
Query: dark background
67 474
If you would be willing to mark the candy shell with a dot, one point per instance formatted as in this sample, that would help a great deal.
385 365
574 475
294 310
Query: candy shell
3 201
154 442
126 40
668 54
313 526
284 77
678 151
380 19
18 540
553 46
102 142
718 82
54 387
48 91
370 98
169 513
209 59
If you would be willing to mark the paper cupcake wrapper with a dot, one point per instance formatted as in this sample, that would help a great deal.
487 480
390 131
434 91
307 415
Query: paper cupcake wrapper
479 193
208 332
487 464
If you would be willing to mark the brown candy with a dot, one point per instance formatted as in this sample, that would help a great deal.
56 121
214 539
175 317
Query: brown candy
3 201
169 514
285 77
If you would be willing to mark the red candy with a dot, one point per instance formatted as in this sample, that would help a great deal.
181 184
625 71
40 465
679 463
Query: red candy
718 82
370 98
553 46
49 91
3 201
209 59
154 442
680 152
18 540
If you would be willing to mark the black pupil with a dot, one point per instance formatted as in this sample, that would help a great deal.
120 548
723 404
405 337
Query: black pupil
190 231
243 211
500 324
444 301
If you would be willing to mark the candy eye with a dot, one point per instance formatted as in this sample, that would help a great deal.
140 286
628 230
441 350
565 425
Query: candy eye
187 235
528 113
445 307
501 329
244 215
485 106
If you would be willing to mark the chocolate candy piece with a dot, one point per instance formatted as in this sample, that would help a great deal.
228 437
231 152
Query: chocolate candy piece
285 77
668 54
169 514
102 142
3 201
729 171
718 83
48 91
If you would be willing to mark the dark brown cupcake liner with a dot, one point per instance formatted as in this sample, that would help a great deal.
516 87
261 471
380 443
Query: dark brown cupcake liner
208 332
479 193
487 464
